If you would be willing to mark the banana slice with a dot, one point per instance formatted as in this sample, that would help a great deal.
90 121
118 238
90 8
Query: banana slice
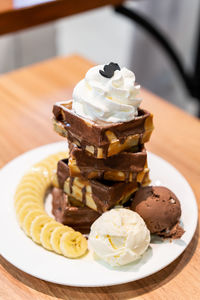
56 236
24 192
20 207
37 225
41 168
73 244
30 217
46 233
26 208
38 173
26 199
50 163
32 182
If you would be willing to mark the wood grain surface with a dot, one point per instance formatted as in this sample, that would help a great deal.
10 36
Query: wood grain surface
22 16
26 99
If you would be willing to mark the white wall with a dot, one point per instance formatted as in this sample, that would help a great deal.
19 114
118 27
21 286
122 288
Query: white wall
100 35
27 47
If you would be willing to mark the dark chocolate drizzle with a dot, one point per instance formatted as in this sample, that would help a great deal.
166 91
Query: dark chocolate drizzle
105 150
71 180
127 175
95 151
62 172
140 139
84 195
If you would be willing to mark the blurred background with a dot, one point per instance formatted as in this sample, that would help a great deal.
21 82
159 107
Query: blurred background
103 35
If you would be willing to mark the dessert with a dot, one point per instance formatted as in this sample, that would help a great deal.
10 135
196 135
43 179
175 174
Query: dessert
106 131
129 166
160 209
101 139
106 165
97 195
71 212
119 236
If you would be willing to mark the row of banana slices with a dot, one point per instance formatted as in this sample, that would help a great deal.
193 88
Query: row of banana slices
29 206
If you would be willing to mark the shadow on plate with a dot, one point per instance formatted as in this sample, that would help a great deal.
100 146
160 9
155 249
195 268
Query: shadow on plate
124 291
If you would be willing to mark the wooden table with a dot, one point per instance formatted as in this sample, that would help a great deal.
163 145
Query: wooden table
21 14
26 99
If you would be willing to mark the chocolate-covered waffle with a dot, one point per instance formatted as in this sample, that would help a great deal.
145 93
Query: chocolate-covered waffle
99 195
72 212
129 166
101 139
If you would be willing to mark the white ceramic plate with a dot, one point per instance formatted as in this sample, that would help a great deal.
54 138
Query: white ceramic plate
31 258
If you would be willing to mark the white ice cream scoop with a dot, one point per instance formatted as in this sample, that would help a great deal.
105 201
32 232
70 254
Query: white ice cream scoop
119 236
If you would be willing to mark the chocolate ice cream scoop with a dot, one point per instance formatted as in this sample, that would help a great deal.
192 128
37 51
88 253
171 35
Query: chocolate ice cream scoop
160 209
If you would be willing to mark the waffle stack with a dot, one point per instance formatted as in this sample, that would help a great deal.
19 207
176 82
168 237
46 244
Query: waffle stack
107 163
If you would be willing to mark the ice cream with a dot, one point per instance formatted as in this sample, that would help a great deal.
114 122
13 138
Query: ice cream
119 236
160 209
107 93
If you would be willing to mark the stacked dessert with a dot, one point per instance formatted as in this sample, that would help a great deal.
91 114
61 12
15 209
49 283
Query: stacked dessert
106 132
105 167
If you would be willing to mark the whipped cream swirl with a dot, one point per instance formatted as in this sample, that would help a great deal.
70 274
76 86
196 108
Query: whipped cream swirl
112 99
